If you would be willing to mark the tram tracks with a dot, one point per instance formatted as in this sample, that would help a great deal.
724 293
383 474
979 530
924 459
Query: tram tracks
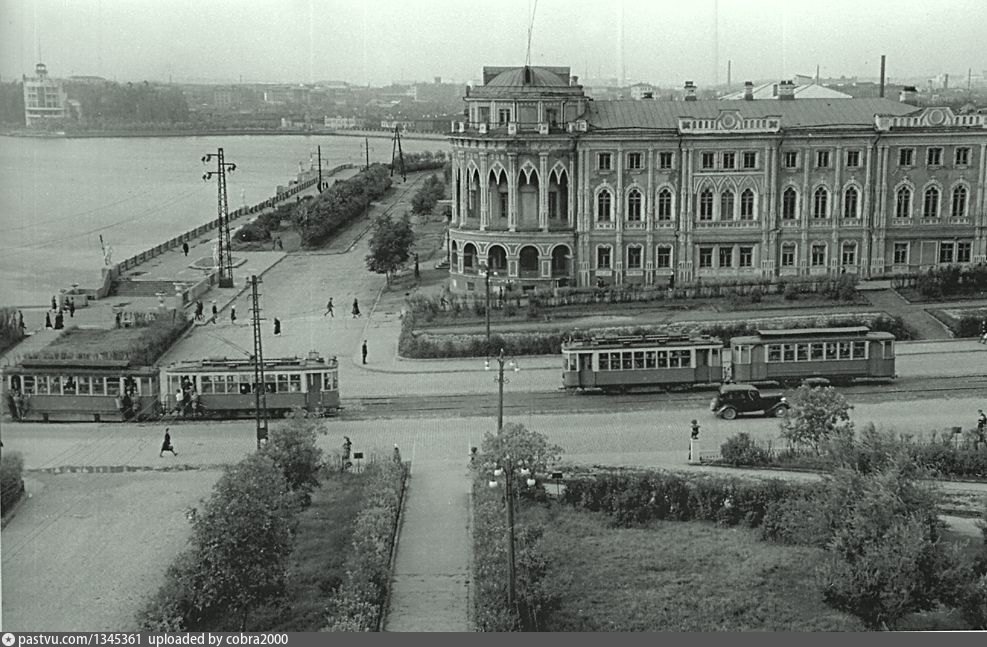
558 401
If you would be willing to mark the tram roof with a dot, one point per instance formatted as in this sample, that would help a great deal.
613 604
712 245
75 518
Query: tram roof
224 363
812 333
59 363
640 341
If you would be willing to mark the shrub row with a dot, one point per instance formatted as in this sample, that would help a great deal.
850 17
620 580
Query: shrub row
422 344
424 161
534 600
340 204
357 605
155 338
431 191
11 481
951 279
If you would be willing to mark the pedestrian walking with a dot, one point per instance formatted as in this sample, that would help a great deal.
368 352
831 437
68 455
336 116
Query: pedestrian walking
198 311
72 307
397 455
166 445
983 331
185 247
356 308
346 464
981 428
54 303
215 311
417 274
48 320
20 321
329 310
233 315
363 350
59 321
179 399
277 326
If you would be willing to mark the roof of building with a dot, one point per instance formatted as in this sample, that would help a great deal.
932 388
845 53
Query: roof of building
526 76
798 113
805 91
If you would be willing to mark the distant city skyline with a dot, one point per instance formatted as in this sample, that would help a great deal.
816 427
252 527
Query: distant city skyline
381 41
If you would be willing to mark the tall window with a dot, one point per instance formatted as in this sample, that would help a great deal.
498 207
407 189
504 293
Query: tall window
664 160
726 256
789 204
729 160
747 205
708 160
553 204
946 252
903 203
664 205
726 205
958 208
634 257
930 207
851 203
852 159
962 156
706 205
933 156
901 253
750 159
788 255
504 116
818 256
503 205
820 203
849 253
603 161
790 159
745 256
963 252
705 257
634 206
663 257
906 157
603 257
822 159
634 161
603 206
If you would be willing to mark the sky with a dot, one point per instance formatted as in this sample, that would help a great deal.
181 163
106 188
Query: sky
377 42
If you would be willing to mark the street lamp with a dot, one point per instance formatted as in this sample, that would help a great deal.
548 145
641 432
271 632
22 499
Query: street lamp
507 471
501 359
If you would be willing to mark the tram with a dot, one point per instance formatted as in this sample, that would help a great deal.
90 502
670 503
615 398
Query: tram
62 390
620 364
224 388
835 355
786 357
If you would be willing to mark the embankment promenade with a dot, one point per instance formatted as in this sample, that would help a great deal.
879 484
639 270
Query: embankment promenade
216 132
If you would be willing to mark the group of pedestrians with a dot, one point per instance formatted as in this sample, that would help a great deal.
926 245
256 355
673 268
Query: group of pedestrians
55 318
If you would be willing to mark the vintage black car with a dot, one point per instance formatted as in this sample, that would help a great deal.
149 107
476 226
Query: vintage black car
734 399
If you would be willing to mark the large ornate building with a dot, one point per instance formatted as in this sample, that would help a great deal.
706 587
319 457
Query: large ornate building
551 188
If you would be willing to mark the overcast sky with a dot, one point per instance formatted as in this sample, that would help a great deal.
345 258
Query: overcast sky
379 41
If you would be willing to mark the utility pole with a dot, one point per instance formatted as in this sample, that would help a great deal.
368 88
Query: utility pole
366 146
225 247
321 188
396 151
260 392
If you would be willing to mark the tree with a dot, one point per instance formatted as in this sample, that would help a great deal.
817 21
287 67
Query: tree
293 449
243 539
521 446
390 245
816 415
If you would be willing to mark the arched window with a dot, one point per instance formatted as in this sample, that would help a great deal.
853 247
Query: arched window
726 205
958 209
603 204
789 204
706 205
634 206
820 203
851 200
664 205
903 203
930 207
747 205
496 258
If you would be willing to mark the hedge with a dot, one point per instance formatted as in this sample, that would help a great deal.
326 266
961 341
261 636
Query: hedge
11 481
340 204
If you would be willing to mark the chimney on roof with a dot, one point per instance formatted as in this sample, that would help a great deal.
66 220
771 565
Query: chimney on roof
690 91
786 91
909 95
573 80
748 90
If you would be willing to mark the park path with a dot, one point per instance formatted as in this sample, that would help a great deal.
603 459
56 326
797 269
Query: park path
915 315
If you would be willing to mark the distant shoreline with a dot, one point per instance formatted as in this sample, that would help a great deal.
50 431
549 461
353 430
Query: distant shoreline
112 134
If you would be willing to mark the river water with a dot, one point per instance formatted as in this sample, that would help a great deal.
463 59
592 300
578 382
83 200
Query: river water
57 196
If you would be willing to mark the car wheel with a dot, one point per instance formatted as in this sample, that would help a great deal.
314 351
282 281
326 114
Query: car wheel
729 413
780 412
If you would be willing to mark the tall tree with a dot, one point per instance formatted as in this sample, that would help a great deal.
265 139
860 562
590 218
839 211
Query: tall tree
390 245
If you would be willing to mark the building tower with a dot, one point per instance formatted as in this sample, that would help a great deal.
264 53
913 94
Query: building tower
44 98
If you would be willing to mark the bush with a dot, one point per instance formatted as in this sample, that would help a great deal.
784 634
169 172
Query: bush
292 447
11 480
10 329
252 232
742 450
340 204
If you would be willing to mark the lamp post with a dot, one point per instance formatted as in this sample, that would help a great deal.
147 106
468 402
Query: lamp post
486 280
501 359
507 471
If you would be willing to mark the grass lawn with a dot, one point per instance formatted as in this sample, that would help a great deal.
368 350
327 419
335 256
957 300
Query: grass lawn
914 296
323 544
92 341
674 576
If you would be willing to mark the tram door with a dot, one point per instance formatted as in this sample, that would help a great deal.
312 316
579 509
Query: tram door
313 391
586 376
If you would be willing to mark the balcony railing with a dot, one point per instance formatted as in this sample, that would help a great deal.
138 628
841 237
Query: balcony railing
510 128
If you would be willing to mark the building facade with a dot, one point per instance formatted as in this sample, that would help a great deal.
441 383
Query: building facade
551 188
44 98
